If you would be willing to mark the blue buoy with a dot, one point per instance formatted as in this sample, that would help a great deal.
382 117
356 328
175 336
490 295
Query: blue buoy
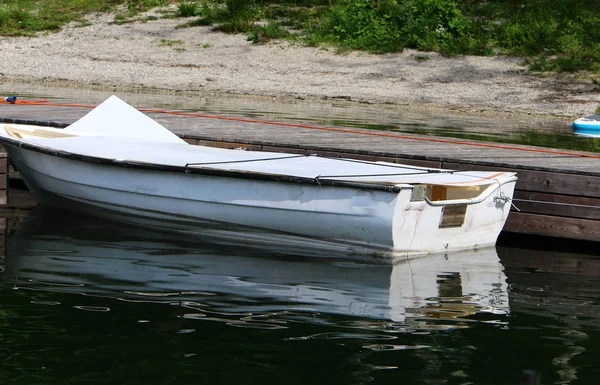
10 99
588 126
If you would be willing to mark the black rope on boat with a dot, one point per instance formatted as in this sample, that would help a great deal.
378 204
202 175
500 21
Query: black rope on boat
243 161
429 170
370 175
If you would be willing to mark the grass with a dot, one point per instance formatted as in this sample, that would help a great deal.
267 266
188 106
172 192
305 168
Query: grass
28 17
552 35
188 10
170 43
263 34
421 57
175 44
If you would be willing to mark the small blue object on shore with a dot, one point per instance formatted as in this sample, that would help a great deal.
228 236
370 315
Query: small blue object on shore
10 99
588 126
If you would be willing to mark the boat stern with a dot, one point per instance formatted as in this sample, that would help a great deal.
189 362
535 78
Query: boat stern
442 218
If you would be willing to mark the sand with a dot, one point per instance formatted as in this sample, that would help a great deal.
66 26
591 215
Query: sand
157 56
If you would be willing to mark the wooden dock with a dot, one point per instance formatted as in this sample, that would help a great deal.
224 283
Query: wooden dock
557 195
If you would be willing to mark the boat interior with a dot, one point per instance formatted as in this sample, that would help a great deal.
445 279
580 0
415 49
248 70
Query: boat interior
24 131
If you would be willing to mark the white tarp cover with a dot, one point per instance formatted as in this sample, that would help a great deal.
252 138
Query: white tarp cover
114 117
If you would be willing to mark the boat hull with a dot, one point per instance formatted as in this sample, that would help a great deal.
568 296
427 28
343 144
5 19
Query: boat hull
384 221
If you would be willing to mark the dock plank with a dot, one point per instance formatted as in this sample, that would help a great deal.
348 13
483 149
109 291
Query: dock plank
559 227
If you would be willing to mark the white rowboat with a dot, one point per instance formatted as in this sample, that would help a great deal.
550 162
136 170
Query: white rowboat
118 163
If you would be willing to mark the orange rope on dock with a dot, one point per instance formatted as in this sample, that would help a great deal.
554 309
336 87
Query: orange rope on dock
322 128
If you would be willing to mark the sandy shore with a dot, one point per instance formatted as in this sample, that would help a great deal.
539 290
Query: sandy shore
155 55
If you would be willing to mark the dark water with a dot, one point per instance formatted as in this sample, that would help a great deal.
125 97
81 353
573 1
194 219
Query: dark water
85 301
545 131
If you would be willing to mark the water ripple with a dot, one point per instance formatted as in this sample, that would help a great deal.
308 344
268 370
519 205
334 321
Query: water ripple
92 308
388 347
338 336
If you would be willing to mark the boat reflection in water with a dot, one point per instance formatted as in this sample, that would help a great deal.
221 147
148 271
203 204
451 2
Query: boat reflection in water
55 251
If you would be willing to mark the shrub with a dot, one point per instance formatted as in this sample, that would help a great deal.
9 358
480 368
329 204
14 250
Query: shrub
143 5
387 26
188 10
271 31
239 17
359 24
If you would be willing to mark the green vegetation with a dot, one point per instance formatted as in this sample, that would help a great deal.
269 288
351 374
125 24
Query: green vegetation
175 44
551 34
391 26
421 58
188 10
262 34
555 35
24 17
27 17
170 43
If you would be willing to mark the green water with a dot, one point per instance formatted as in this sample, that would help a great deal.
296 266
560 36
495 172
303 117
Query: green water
84 301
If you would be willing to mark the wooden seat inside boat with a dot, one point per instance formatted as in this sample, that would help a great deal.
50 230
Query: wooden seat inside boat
20 133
